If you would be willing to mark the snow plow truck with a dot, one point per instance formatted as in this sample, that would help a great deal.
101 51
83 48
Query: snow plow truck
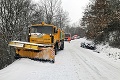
43 43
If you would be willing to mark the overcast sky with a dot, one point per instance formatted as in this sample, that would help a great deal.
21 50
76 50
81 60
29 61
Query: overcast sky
75 8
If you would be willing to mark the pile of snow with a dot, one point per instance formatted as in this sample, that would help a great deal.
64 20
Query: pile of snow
109 51
106 50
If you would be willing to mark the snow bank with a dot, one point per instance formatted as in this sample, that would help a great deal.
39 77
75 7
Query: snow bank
109 51
106 50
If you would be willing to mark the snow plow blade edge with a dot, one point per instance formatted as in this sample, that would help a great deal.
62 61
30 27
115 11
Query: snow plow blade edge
33 50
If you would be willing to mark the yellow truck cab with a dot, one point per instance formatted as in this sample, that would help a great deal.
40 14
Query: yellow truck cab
47 34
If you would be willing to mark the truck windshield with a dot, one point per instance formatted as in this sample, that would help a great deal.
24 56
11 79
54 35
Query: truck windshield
42 29
67 35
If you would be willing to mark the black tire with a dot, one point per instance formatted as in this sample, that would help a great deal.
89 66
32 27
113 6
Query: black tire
52 61
56 49
62 46
17 56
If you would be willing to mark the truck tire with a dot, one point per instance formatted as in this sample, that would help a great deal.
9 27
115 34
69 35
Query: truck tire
56 49
62 46
17 56
52 61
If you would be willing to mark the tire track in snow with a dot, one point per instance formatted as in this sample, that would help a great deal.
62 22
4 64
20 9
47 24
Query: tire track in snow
86 68
80 66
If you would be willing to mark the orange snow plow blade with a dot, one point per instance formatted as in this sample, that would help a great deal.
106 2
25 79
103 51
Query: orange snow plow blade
34 51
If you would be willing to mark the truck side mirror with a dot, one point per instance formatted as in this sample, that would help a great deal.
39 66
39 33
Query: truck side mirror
55 30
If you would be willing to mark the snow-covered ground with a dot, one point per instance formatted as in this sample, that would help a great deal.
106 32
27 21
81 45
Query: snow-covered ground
72 63
113 53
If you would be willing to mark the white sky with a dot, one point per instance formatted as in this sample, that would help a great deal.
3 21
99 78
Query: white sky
75 8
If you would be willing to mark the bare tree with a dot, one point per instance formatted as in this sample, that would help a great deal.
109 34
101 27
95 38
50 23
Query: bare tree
37 15
61 19
50 8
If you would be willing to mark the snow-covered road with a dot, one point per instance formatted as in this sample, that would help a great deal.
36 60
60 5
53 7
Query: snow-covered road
72 63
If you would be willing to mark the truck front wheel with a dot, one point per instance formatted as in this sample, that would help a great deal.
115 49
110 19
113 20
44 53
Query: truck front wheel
62 46
56 49
17 56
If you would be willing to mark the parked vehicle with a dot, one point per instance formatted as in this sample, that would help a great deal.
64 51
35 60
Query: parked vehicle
75 37
72 38
88 45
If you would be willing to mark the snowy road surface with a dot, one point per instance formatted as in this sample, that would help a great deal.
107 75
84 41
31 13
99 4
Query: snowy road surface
73 63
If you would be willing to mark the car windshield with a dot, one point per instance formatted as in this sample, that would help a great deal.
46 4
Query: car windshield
42 29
